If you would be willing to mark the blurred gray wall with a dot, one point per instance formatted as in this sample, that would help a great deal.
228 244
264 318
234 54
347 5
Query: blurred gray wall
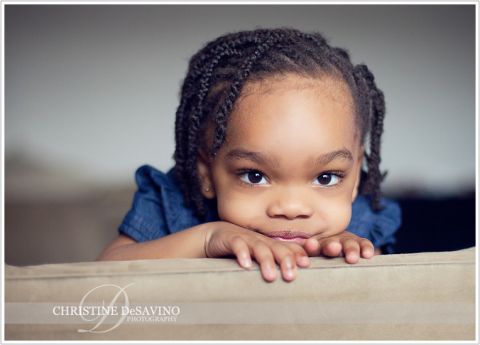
91 91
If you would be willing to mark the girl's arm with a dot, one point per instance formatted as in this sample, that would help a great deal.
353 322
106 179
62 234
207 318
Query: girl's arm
220 239
183 244
215 239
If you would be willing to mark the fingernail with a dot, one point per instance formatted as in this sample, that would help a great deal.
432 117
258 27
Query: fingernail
288 273
288 266
368 253
270 272
246 262
313 242
304 260
352 257
288 263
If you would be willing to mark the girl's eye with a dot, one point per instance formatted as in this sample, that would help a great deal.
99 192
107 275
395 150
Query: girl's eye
253 177
327 179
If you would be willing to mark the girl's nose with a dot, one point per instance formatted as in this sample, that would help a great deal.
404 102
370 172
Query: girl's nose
290 205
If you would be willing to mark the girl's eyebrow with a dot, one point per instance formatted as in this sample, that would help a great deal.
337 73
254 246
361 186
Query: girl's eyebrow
256 157
261 158
337 154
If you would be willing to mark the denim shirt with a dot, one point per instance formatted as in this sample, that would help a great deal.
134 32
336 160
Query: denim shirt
159 209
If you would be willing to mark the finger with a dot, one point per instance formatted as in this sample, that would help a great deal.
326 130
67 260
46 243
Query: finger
241 251
366 248
301 256
285 258
331 247
312 246
264 257
351 249
288 267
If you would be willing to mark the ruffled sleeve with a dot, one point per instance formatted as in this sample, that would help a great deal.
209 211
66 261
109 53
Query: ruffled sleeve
379 227
158 207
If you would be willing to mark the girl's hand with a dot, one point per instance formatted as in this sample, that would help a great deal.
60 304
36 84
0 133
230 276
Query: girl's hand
225 239
350 245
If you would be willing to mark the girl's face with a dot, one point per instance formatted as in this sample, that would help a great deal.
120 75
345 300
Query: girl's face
290 165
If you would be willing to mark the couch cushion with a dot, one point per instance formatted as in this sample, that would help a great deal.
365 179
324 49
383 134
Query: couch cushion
423 296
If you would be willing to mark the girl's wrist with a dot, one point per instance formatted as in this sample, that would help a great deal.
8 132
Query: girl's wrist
208 230
207 235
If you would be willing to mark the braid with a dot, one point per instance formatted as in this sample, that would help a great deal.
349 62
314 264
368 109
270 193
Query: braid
376 114
196 120
189 113
218 72
235 88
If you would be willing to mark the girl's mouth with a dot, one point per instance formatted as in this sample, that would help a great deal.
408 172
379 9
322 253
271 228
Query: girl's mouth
289 236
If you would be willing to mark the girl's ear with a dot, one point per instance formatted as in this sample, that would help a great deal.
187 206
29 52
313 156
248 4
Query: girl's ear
203 168
358 173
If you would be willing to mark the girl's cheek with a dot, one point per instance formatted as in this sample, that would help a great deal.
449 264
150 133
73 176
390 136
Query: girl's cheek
333 216
340 216
238 210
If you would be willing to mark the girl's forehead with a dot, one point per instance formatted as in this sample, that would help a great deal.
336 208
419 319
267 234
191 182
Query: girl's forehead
293 109
295 94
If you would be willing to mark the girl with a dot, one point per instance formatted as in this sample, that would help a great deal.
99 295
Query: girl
271 135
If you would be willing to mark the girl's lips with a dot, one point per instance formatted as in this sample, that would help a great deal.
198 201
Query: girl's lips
289 236
299 240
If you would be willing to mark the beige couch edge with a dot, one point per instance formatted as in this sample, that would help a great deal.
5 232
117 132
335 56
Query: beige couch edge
421 296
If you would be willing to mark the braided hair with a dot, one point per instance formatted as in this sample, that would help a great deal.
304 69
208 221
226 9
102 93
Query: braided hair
215 78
